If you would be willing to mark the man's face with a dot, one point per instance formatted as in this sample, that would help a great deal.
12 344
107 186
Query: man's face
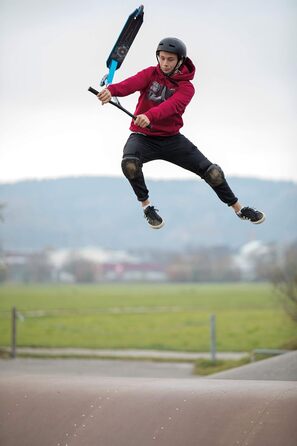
167 61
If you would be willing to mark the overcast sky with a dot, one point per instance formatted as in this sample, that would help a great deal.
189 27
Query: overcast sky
242 117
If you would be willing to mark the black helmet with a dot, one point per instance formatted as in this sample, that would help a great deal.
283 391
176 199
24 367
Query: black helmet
173 45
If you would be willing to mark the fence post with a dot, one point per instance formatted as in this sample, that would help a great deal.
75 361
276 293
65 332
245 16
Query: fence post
13 332
213 340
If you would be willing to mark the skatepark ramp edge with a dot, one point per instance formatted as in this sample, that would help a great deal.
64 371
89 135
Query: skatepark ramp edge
97 411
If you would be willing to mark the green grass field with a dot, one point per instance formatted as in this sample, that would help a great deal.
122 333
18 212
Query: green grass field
146 316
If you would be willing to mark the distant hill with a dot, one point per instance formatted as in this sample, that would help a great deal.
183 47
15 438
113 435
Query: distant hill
102 211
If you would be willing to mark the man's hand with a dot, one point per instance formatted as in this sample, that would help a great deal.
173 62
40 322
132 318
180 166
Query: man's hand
104 96
142 121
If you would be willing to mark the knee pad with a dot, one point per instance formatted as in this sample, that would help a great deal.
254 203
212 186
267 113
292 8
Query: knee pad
214 175
131 167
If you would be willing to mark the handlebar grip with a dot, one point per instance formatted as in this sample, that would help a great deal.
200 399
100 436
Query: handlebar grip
95 92
92 90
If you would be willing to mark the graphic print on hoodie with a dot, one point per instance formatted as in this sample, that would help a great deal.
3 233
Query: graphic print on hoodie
163 99
159 93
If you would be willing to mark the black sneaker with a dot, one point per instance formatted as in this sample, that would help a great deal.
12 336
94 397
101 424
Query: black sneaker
251 214
153 219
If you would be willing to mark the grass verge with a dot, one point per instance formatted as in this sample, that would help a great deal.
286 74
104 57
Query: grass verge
204 367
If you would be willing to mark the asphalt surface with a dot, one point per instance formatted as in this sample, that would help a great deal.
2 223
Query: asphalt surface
279 368
117 364
118 402
93 367
75 411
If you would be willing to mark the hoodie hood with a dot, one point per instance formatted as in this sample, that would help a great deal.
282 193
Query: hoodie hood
185 73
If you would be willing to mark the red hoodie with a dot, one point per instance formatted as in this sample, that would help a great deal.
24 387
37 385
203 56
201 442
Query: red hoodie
162 99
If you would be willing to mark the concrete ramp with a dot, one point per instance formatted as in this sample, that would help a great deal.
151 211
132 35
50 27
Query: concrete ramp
279 368
73 411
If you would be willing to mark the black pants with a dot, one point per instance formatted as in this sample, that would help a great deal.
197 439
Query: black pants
175 149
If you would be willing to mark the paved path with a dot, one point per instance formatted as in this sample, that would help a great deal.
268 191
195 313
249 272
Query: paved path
28 367
279 368
115 364
110 363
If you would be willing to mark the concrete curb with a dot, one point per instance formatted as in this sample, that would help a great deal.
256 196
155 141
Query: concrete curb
131 353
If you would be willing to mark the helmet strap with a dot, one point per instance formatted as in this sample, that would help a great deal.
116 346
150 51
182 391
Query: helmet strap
177 66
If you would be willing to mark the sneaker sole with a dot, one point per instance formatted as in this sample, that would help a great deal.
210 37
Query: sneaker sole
159 226
259 221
